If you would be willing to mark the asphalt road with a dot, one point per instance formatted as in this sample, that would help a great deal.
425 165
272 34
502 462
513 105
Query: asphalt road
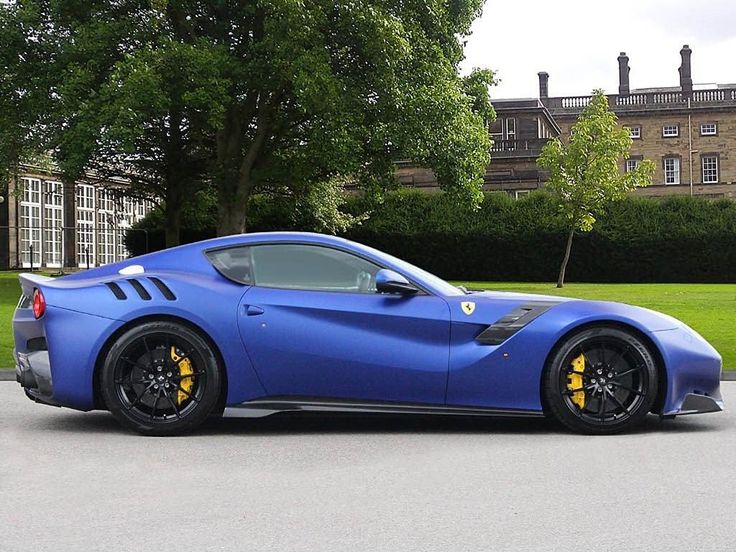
75 481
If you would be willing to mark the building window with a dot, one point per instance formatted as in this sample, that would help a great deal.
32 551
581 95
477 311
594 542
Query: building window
632 164
53 196
30 222
518 194
708 129
496 130
710 169
671 131
635 132
106 226
511 129
85 225
671 170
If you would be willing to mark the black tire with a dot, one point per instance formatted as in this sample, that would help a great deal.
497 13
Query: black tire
618 382
148 385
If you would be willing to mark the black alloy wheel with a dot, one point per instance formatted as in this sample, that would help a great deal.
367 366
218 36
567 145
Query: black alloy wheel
161 378
602 380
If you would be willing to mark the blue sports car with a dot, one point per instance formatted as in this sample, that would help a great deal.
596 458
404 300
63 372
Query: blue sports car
256 324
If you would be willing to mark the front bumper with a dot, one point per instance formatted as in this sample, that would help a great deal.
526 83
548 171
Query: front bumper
33 372
700 404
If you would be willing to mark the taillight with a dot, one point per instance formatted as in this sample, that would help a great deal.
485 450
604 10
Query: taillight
39 303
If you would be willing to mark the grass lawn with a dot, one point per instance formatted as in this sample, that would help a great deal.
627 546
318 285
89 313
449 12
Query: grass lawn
9 295
708 308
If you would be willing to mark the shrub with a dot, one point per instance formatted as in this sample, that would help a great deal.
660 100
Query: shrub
678 239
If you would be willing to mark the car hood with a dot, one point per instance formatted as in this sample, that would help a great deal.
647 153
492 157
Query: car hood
513 296
493 305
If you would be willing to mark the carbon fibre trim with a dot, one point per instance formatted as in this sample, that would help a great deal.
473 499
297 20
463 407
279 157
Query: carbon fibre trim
272 405
509 324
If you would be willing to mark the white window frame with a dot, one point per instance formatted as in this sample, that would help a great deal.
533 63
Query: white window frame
85 225
635 132
30 222
672 174
671 131
518 194
632 164
53 223
511 128
709 129
496 135
106 228
710 173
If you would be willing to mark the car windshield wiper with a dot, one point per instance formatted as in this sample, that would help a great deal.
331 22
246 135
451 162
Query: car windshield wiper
464 290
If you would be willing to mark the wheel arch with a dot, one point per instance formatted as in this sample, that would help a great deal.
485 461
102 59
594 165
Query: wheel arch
648 341
102 354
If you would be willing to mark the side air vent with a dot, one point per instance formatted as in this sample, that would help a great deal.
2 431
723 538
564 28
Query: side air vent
163 288
508 325
139 289
116 291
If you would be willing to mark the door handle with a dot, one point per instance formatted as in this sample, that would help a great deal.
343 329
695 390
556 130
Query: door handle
252 310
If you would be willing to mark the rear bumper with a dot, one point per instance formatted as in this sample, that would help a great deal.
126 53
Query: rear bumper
33 373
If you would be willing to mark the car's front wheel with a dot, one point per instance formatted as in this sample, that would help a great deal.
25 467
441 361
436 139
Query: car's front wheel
161 378
601 380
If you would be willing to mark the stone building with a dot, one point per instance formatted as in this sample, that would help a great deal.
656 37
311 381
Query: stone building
689 131
46 224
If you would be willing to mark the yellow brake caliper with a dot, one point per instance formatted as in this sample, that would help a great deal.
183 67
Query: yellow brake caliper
575 381
185 369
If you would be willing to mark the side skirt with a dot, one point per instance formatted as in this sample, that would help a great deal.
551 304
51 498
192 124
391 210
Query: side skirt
265 407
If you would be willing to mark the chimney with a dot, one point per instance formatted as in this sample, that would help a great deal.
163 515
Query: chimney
686 77
623 75
543 84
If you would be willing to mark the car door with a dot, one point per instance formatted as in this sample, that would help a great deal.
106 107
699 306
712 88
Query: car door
314 326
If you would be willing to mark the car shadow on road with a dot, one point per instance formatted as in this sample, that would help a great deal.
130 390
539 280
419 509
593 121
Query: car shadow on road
317 423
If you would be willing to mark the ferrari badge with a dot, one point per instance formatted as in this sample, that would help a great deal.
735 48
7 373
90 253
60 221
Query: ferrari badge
468 307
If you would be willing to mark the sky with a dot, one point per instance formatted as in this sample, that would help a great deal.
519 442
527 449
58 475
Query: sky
578 42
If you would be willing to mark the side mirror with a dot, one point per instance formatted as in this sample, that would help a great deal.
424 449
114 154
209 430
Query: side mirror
388 281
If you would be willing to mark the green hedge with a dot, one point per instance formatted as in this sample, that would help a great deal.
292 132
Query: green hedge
679 239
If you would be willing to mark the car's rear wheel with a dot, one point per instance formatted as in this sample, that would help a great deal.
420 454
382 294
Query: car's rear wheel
601 380
161 378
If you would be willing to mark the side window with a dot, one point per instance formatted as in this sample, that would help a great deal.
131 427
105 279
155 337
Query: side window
311 267
293 266
233 263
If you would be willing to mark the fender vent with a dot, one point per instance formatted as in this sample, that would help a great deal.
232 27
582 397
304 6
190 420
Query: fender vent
139 289
508 325
116 291
163 288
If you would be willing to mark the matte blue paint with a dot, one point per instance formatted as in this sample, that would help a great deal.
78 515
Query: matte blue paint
275 342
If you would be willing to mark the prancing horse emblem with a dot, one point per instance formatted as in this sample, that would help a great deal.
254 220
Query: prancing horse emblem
468 307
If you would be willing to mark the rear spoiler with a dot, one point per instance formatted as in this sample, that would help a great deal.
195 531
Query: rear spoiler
29 281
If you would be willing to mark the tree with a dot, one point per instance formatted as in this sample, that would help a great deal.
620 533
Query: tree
107 88
328 90
246 97
584 173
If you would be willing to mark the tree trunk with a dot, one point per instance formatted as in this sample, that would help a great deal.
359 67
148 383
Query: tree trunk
172 215
172 230
231 211
561 277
